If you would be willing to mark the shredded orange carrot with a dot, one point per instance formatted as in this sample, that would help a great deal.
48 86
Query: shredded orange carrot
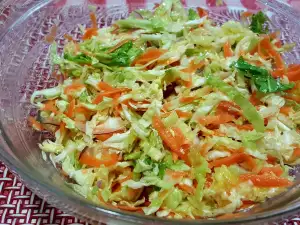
112 94
50 106
202 12
187 99
106 159
277 170
286 110
245 127
166 106
189 189
171 139
70 110
103 137
228 108
296 152
105 86
249 163
93 19
129 177
35 124
205 148
89 33
180 138
246 14
266 180
182 114
193 67
278 73
227 50
272 160
254 100
165 134
73 88
215 120
174 156
176 174
293 72
292 97
230 160
62 127
150 55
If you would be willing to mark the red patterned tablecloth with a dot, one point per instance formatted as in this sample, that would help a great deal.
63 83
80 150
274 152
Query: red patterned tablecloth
18 205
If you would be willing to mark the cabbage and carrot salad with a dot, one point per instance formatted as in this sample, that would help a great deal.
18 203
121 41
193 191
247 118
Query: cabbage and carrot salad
168 114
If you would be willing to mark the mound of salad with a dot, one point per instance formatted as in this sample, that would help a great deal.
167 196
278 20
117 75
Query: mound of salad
169 114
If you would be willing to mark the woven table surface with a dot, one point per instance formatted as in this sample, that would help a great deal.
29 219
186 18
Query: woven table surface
18 205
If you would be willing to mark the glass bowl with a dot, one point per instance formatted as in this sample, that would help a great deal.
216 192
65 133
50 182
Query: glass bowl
25 67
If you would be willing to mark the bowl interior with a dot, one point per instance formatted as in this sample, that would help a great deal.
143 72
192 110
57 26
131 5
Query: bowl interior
25 67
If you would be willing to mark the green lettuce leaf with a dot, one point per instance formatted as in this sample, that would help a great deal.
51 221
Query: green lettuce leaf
258 23
193 15
262 78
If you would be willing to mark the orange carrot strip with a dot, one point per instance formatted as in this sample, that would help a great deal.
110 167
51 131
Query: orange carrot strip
182 114
106 159
293 75
266 180
254 100
188 99
50 106
89 33
227 50
216 120
272 160
277 170
149 55
171 141
265 43
93 19
202 12
70 110
296 152
246 14
105 86
293 97
176 174
286 110
62 127
35 124
180 138
104 137
250 163
230 160
278 73
186 188
113 94
245 127
165 134
192 68
228 107
73 87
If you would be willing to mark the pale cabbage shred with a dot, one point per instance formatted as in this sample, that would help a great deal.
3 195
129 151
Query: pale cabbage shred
139 145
